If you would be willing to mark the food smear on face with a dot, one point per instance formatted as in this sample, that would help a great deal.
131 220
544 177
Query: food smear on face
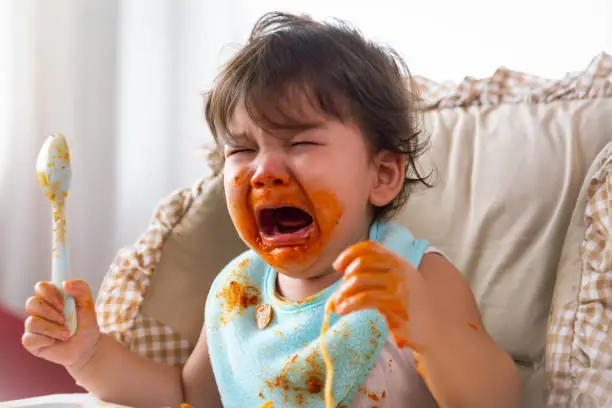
241 178
285 224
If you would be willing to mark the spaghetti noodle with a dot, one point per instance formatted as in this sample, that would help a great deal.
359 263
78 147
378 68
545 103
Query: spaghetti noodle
329 365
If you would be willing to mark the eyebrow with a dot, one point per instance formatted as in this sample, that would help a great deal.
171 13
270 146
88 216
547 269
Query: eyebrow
281 132
235 138
290 131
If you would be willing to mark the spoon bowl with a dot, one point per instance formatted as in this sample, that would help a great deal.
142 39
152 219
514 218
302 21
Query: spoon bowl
53 168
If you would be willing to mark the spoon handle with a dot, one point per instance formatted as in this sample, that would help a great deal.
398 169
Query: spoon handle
60 264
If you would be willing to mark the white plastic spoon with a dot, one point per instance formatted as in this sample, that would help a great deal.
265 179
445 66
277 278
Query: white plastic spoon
54 175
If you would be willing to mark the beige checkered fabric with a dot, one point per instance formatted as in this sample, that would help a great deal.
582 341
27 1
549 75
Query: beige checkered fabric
124 287
580 337
506 86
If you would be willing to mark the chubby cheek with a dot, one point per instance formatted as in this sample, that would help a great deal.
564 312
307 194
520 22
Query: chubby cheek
351 178
328 212
237 198
354 197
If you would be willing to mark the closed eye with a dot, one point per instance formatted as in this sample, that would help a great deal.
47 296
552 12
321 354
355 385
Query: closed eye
238 150
305 143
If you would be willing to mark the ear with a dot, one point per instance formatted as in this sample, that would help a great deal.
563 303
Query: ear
390 174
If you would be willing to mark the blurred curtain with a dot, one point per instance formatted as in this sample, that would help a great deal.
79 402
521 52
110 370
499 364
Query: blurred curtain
122 80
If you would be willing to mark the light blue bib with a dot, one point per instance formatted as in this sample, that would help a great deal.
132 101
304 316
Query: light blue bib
282 362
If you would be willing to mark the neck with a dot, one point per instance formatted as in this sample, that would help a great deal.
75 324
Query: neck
296 289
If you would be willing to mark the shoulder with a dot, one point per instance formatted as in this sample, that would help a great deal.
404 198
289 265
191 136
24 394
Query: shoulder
443 279
387 230
246 264
247 269
449 286
400 240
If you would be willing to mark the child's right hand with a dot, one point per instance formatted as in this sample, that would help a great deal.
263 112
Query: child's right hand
45 334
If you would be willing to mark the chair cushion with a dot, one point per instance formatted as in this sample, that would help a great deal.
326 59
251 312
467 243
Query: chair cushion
579 349
507 179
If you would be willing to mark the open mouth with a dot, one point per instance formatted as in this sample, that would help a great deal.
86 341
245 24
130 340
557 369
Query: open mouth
284 225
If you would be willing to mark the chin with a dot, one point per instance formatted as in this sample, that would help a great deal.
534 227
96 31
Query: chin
289 230
306 269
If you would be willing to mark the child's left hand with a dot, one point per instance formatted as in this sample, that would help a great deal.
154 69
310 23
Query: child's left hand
377 278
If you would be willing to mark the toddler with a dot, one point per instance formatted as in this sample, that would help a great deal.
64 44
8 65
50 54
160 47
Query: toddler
319 136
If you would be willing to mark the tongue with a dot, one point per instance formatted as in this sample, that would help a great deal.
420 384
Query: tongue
290 219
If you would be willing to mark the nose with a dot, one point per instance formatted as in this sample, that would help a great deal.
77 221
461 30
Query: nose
270 172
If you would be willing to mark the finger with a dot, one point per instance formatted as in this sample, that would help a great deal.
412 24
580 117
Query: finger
48 292
34 343
396 318
372 263
370 299
79 289
359 283
39 307
351 253
37 325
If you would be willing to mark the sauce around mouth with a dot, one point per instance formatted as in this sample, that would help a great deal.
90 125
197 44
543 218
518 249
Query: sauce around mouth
320 204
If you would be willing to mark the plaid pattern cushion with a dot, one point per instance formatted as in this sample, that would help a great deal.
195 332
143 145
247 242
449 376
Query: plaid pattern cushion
580 335
506 86
124 287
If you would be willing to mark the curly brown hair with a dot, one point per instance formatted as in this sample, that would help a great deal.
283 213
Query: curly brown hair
342 74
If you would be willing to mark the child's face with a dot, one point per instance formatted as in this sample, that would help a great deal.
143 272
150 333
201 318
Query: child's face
300 197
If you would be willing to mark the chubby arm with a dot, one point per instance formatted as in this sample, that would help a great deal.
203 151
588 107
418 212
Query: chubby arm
113 373
459 361
102 365
199 386
96 360
156 385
